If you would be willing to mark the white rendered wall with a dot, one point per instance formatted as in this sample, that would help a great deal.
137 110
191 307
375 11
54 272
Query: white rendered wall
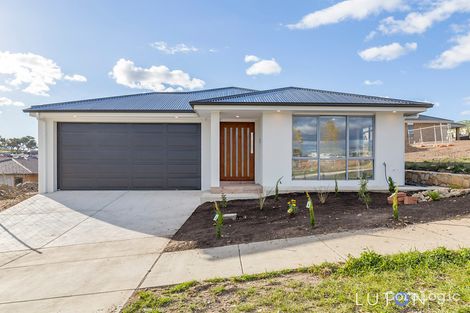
206 154
47 155
277 153
215 150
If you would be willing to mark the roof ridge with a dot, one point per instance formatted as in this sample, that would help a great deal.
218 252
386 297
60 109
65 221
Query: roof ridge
357 94
243 94
302 88
134 95
13 159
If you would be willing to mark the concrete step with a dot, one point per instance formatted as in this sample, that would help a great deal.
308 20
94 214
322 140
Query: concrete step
238 188
211 197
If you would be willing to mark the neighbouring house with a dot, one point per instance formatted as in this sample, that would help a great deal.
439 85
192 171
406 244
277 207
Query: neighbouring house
203 139
422 129
14 171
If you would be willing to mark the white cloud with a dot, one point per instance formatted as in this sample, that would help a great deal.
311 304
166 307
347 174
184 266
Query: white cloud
157 78
466 100
4 88
345 10
30 72
264 67
8 102
373 82
75 78
454 56
178 48
387 52
465 112
251 58
417 22
370 35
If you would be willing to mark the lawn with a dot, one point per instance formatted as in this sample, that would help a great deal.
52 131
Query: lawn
341 212
434 281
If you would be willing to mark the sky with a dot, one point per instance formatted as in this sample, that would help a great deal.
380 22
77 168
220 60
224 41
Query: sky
54 51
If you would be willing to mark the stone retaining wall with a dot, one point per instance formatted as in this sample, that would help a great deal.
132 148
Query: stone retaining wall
428 178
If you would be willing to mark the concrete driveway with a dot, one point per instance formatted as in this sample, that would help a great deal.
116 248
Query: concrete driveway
84 251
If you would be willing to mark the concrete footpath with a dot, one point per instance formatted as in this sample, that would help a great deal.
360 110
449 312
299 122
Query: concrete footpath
258 257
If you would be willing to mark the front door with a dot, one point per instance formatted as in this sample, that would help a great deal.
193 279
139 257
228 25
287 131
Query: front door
237 151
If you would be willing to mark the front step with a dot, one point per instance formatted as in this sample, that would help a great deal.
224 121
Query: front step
237 188
211 197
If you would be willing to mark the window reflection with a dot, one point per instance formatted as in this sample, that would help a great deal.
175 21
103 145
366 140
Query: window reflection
332 147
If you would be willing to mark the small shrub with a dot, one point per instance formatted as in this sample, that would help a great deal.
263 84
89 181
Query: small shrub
223 201
434 195
363 193
336 187
395 204
219 221
391 185
310 209
322 195
292 207
276 189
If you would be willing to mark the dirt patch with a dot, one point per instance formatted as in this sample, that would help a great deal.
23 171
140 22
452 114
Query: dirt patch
455 151
341 212
7 203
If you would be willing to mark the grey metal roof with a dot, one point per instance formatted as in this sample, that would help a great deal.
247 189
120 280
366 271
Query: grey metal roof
13 166
428 118
144 102
183 101
305 96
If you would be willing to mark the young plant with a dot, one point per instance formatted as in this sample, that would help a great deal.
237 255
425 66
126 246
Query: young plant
336 187
310 210
434 195
276 189
292 207
395 204
322 194
261 200
391 185
223 201
219 220
363 193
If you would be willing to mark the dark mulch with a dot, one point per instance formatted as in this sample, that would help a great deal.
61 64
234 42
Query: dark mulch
342 212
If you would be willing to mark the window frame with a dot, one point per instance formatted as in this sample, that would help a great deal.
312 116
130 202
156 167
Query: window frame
346 158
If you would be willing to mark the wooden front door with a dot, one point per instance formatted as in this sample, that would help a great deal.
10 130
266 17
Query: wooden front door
237 151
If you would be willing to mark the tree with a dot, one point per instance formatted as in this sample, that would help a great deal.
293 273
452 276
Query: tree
467 125
18 145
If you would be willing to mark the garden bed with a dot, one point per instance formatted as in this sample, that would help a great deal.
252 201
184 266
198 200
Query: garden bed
341 212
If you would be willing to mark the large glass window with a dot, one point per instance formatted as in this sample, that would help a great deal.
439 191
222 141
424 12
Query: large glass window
332 147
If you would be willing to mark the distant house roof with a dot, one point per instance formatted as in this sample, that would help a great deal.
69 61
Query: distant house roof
184 101
305 96
18 166
144 102
428 119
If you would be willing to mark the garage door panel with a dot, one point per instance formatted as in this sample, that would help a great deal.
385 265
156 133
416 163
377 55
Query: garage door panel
182 183
129 156
184 128
148 128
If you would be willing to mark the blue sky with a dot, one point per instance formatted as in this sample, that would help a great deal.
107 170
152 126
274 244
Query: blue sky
53 51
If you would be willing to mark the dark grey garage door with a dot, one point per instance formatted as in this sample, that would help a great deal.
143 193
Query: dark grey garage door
128 156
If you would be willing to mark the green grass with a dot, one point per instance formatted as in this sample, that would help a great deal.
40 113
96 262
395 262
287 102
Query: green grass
328 287
457 166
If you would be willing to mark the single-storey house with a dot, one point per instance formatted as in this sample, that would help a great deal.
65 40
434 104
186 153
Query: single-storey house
14 171
430 129
203 139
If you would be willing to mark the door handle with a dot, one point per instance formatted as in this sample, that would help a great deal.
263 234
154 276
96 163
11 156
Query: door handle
251 143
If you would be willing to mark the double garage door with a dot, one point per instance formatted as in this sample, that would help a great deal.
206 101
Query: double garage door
128 156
